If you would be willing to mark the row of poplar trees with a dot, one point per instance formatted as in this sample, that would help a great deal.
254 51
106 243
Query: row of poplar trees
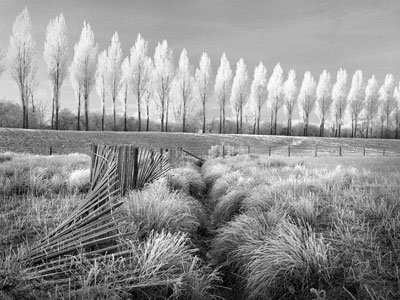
182 91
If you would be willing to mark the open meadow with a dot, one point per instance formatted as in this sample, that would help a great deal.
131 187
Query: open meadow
243 227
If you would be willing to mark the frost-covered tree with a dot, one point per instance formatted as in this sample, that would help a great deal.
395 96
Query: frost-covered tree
250 115
289 98
113 75
371 103
387 102
101 84
163 74
77 85
222 89
21 57
275 88
84 65
147 96
396 95
140 73
181 92
56 55
339 97
124 87
258 92
306 99
239 93
203 79
324 99
355 100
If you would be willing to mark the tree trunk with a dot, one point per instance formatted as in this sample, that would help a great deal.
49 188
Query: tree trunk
288 127
87 112
79 112
184 117
237 122
166 115
114 116
57 106
148 118
204 113
125 108
103 114
271 122
220 120
139 111
23 115
387 125
223 117
162 115
258 120
275 119
355 125
52 114
322 128
241 119
382 120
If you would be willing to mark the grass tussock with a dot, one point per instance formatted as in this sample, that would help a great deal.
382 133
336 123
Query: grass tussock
156 208
188 180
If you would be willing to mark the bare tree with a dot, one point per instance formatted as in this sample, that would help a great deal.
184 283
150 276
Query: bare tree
339 97
239 93
306 99
387 101
371 103
77 84
203 78
181 92
84 67
222 89
140 73
289 98
355 100
275 87
124 87
163 74
21 57
55 55
113 74
258 92
101 74
324 99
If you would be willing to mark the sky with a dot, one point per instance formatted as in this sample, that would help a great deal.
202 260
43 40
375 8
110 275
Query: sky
301 34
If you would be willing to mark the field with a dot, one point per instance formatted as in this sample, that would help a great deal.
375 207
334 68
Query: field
243 227
64 142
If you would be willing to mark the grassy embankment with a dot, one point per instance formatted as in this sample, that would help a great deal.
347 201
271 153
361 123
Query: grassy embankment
293 228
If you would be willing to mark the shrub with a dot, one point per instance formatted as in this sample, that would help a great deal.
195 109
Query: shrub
222 185
156 208
212 170
5 157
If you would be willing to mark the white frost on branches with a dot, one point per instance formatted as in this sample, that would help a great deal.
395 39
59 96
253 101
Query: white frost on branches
306 99
239 93
258 93
222 89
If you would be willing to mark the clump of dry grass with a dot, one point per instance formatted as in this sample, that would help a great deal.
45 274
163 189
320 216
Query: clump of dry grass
228 206
289 262
79 180
247 228
187 180
156 208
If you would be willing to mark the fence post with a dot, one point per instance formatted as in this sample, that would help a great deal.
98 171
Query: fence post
248 149
288 151
51 150
340 150
383 151
223 151
269 151
364 151
316 150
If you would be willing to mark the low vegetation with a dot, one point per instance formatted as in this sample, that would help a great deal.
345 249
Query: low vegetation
243 227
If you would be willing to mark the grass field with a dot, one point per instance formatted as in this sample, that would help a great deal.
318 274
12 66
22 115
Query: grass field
244 227
63 142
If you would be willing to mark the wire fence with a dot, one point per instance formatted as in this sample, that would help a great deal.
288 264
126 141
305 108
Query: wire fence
227 150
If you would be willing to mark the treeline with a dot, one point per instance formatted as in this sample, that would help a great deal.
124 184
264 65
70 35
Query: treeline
181 93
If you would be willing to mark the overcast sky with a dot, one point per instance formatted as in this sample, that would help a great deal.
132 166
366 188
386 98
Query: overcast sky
301 34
